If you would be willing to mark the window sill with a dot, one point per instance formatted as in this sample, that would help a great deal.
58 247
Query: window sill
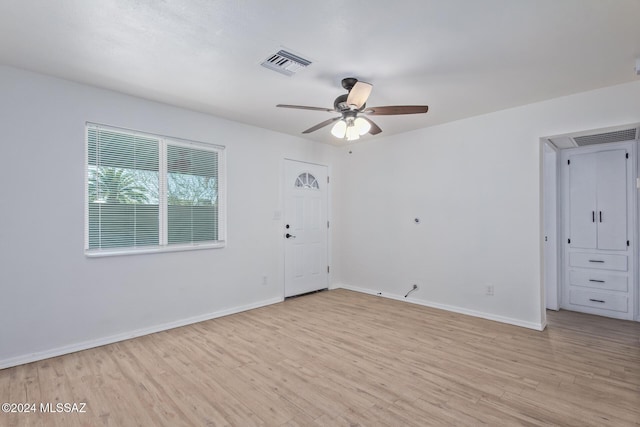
98 253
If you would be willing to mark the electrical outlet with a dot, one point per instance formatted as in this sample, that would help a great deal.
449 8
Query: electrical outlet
264 280
489 291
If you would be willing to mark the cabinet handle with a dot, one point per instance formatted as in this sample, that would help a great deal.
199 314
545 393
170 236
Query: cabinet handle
593 216
600 216
596 300
597 281
596 260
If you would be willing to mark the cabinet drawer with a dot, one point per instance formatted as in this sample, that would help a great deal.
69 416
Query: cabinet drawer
606 301
601 261
599 279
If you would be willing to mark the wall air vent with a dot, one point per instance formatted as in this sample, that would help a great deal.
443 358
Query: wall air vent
602 138
285 63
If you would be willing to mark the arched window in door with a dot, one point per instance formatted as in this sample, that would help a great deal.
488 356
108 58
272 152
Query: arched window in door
306 180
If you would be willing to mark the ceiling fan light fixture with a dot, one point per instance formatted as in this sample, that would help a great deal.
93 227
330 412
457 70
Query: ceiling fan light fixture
362 125
339 129
352 132
349 129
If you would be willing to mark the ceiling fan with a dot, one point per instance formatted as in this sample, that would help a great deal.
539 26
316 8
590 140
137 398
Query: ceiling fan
350 125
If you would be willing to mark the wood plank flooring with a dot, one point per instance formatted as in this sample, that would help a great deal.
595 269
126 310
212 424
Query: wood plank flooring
341 358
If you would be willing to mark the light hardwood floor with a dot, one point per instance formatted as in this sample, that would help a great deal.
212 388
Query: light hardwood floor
340 358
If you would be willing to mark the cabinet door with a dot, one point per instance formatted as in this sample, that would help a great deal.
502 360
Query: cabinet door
611 195
582 201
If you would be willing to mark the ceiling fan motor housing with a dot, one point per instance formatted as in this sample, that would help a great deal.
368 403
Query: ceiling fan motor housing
340 104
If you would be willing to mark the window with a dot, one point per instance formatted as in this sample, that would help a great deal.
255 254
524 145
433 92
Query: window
147 193
306 180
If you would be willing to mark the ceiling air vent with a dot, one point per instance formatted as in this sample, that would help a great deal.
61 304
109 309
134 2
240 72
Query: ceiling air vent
602 138
285 62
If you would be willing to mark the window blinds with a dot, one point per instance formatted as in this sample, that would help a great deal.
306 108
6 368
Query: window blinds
145 191
123 190
192 194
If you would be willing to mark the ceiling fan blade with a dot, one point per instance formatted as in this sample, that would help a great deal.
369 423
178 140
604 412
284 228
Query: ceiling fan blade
375 129
303 107
397 109
359 94
321 125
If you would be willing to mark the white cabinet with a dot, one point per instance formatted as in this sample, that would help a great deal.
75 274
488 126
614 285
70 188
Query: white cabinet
598 199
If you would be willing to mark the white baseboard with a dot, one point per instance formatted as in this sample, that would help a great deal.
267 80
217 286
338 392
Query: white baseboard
85 345
452 308
333 286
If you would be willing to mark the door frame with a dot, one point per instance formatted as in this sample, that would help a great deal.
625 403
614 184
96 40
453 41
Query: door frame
283 184
632 212
634 204
550 210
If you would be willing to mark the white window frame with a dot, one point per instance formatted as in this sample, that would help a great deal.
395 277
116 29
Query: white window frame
163 141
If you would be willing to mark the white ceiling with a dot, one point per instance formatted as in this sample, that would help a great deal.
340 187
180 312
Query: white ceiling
460 57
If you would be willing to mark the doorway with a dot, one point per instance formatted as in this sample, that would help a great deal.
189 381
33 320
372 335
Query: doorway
568 164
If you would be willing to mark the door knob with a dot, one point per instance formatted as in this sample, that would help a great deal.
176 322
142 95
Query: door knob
289 236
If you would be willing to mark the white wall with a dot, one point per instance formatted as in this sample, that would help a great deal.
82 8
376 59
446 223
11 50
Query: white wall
476 186
53 299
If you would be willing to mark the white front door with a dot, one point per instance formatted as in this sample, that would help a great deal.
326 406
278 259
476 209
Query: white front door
305 228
